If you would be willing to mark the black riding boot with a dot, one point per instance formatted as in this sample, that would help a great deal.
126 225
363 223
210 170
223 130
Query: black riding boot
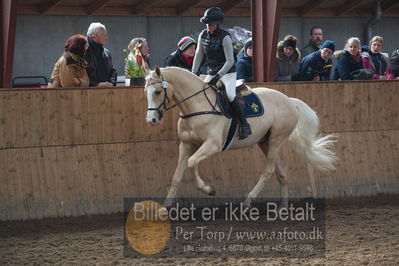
245 128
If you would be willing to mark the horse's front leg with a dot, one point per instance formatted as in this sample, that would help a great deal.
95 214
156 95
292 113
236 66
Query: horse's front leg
207 149
185 151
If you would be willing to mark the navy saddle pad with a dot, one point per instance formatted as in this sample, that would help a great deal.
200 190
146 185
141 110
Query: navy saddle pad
253 106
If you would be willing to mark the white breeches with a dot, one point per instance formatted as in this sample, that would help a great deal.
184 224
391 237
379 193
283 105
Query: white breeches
229 81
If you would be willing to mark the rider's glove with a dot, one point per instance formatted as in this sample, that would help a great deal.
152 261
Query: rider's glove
214 80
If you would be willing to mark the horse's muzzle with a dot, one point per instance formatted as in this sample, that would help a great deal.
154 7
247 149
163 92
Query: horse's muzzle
153 121
154 117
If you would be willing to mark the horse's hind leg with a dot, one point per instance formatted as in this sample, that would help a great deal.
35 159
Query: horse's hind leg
281 174
271 149
185 151
206 150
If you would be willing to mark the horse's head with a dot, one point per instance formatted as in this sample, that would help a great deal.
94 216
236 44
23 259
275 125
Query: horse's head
159 95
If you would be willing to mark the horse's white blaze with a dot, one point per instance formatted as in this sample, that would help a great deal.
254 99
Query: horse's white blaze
151 114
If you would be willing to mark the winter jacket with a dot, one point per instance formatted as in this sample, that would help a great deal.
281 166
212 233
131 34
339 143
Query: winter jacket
345 65
393 68
244 67
369 64
286 67
99 68
309 48
176 59
69 66
313 65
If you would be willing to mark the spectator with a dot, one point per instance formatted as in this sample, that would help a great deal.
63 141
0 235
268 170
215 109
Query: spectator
288 58
244 62
100 69
137 62
365 48
317 66
70 70
393 68
374 59
184 55
348 60
315 41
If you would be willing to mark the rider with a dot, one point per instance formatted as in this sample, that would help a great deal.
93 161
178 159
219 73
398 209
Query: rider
216 45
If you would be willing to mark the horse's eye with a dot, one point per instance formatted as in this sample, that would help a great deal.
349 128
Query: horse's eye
157 92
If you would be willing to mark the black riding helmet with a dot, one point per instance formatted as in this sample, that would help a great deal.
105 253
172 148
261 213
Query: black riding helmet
213 15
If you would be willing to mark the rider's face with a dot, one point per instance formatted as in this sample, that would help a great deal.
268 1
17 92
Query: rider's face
211 27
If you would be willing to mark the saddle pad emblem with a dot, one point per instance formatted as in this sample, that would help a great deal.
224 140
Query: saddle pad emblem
255 107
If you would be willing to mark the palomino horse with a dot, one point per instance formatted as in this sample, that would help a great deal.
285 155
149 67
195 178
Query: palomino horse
202 132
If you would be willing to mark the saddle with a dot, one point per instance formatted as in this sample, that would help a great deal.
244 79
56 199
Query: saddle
241 88
252 107
249 100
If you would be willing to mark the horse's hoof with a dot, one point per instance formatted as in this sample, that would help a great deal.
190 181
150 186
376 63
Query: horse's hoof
168 202
212 192
247 203
209 190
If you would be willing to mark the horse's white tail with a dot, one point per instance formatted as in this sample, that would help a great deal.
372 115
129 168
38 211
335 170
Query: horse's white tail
305 141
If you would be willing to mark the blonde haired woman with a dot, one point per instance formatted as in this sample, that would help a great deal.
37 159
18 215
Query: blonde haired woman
137 61
374 59
348 60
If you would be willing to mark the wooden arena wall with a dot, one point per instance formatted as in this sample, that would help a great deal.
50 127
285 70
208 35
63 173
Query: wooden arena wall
71 152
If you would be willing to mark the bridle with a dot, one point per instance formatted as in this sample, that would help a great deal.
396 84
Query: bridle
166 100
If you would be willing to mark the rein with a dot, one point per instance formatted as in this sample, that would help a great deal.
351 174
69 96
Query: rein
166 100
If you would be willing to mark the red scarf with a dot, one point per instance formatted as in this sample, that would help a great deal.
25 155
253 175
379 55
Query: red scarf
188 60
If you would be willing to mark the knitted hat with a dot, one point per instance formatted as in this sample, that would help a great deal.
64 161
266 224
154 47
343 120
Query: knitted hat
329 44
248 43
185 42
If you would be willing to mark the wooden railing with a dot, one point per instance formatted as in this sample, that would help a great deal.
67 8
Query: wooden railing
77 152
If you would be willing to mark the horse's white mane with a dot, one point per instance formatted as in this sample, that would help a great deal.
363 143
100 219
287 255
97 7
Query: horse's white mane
174 68
178 68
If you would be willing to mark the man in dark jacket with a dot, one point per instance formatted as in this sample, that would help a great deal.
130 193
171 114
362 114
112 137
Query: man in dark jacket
183 57
100 69
315 41
317 66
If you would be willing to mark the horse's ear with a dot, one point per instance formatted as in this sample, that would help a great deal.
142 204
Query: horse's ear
158 71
